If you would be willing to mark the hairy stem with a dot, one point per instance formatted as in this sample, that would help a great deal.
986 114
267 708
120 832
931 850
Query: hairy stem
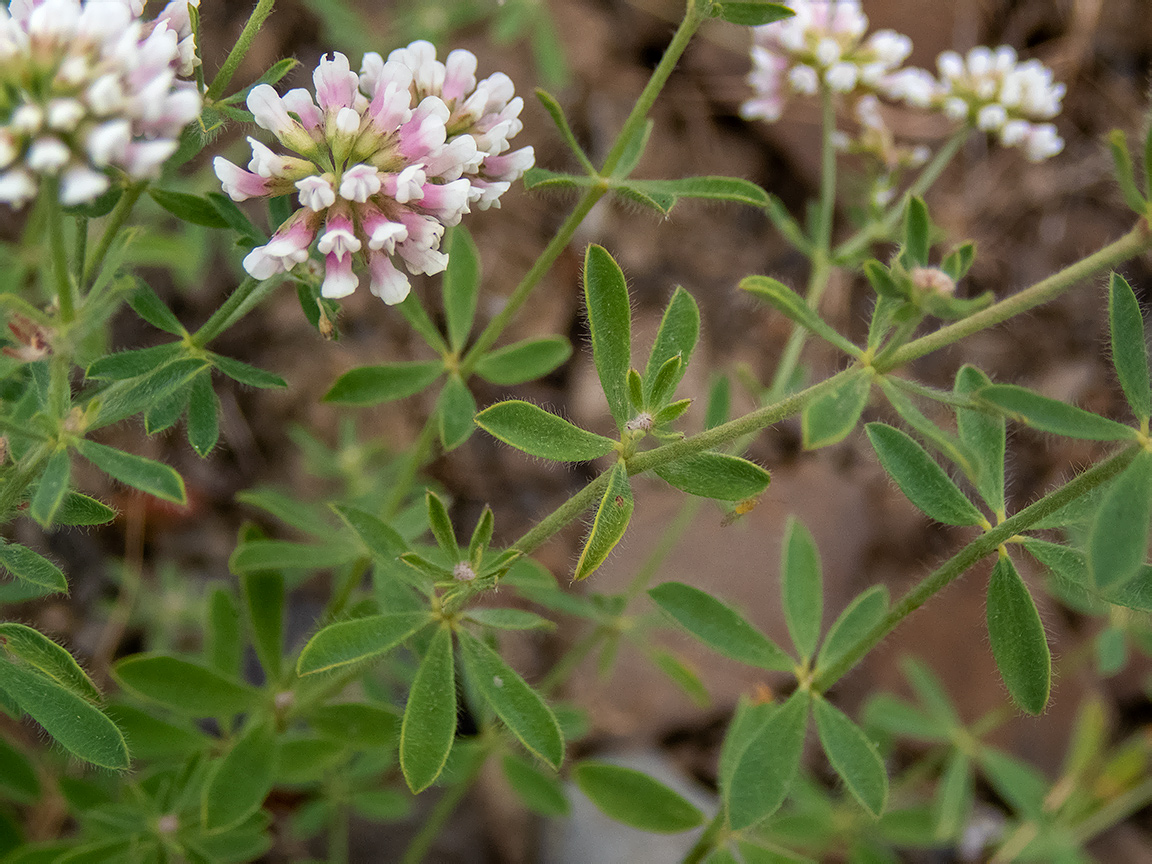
959 563
116 220
413 462
240 49
59 251
239 303
438 818
562 515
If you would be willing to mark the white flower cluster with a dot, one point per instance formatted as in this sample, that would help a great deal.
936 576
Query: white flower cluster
385 160
995 92
88 88
822 44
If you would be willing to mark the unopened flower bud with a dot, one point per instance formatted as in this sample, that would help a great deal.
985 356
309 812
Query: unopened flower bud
933 280
642 422
463 572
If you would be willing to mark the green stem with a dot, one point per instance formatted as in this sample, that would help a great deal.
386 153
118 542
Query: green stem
1136 241
958 564
63 279
821 249
1114 812
344 590
562 515
81 249
116 220
664 546
707 841
693 17
440 814
415 459
239 303
338 834
558 244
571 659
858 242
239 50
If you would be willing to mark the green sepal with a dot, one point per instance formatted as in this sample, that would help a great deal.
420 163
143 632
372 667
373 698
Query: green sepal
609 524
537 432
715 475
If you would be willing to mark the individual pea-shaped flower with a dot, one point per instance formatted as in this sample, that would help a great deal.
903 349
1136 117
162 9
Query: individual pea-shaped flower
90 88
488 112
374 169
821 45
991 90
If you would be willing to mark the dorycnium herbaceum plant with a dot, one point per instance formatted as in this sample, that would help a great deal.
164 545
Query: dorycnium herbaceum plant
309 627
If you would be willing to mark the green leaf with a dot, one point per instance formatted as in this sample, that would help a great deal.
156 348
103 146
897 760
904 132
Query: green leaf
461 284
801 587
609 524
1017 636
18 780
77 509
540 792
920 478
132 364
930 692
1124 172
263 593
1118 541
203 415
1050 415
680 328
541 178
954 796
149 738
557 114
635 799
530 428
441 525
380 539
719 402
662 203
959 261
77 725
164 412
35 649
764 771
984 433
372 385
145 393
520 707
882 281
283 554
28 566
509 619
1129 350
455 409
671 412
188 208
786 301
716 475
635 148
246 374
359 639
853 756
355 724
481 536
610 323
524 361
1015 781
719 626
753 14
663 382
155 478
829 418
187 688
886 713
682 676
238 783
236 219
99 207
151 308
787 225
223 648
917 231
860 616
948 444
52 488
712 188
429 725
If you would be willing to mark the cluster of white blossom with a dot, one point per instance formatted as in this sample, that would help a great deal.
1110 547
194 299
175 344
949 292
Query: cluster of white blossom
824 45
993 91
88 87
384 161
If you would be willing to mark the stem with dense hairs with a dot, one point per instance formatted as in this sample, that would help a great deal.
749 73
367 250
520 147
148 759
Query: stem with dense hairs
239 303
440 814
63 279
239 50
959 563
707 842
116 220
1136 241
567 512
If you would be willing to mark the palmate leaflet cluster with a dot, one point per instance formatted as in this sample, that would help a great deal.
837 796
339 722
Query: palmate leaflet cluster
384 160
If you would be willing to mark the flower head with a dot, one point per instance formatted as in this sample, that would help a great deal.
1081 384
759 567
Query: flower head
822 44
91 88
385 159
993 91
